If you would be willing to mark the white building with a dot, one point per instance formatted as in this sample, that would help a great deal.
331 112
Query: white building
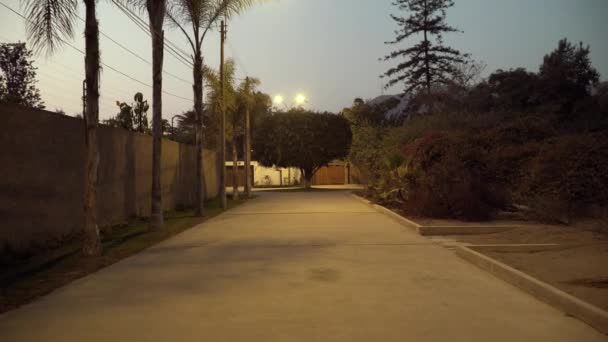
270 176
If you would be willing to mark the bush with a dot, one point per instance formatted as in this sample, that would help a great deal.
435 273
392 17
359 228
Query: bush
568 177
448 178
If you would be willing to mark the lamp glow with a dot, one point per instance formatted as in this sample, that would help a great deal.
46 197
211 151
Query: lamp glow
278 100
300 99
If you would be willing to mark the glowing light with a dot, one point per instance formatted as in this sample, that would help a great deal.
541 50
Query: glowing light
300 99
278 100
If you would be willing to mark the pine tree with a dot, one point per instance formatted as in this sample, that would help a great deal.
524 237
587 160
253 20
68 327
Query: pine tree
429 62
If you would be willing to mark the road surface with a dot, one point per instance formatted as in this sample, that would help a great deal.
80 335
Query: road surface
293 266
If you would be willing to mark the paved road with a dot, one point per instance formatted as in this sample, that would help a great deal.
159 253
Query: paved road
293 267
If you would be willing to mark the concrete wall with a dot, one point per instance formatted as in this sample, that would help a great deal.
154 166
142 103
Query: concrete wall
42 183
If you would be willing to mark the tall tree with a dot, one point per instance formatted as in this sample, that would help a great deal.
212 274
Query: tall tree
246 99
229 102
49 24
195 18
566 75
429 62
156 16
18 76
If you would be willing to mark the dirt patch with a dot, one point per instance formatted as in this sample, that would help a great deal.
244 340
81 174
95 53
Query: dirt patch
580 271
530 233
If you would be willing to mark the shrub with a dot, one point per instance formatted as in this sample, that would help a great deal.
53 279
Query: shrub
568 177
448 178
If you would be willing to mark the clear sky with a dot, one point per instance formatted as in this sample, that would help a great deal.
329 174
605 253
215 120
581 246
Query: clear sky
326 49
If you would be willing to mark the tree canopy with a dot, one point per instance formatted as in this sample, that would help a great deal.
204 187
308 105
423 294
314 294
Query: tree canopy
132 117
302 139
18 76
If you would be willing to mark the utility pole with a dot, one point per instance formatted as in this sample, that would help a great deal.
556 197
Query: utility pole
223 122
247 151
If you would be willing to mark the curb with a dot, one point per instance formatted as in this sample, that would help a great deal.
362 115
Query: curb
435 230
388 212
588 313
462 230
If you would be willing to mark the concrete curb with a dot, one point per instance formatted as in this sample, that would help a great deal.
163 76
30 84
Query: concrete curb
436 230
462 230
361 199
388 212
588 313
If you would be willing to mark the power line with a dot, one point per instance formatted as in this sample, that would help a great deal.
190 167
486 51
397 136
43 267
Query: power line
172 48
142 25
102 63
136 55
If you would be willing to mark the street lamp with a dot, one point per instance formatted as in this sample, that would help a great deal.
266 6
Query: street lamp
299 101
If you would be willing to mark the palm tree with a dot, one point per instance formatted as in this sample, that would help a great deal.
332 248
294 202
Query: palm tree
50 24
200 16
246 97
230 104
157 10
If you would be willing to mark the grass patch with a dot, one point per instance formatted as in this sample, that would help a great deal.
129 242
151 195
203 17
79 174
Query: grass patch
40 275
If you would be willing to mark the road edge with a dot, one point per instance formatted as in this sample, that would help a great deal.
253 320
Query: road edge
586 312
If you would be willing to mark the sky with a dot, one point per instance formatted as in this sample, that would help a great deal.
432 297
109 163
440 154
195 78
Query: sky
328 50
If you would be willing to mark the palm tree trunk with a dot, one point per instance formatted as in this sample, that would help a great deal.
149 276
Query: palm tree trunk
247 153
156 13
235 166
91 244
198 108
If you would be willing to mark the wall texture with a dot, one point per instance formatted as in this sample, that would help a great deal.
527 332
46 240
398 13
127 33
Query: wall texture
42 183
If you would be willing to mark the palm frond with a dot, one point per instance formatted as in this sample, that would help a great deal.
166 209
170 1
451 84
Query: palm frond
50 23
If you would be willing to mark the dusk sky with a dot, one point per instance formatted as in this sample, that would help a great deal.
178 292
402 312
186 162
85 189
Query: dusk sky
326 49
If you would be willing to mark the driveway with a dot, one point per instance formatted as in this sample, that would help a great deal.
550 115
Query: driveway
293 266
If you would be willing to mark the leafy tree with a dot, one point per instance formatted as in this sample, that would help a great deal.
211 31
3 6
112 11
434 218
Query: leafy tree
512 90
140 113
132 117
184 131
428 62
261 107
566 75
124 118
302 139
362 114
49 24
18 76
